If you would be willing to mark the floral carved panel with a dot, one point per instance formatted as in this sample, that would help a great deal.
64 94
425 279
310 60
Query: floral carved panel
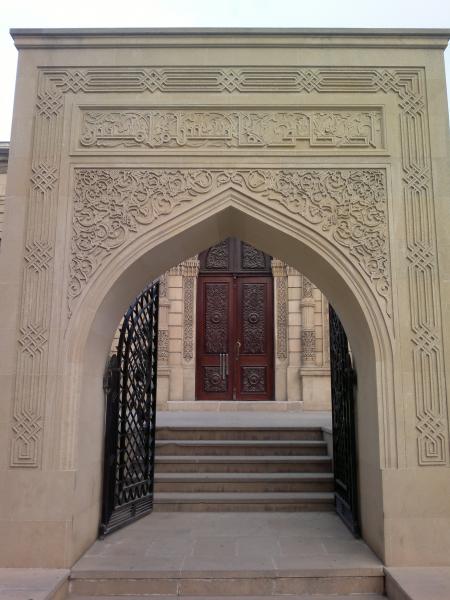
348 206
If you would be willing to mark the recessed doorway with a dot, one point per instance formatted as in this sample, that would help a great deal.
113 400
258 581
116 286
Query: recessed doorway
235 323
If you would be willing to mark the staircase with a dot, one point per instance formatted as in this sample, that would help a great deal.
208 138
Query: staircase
242 469
226 555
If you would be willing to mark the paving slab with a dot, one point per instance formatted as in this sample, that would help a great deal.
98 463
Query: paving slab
33 584
418 583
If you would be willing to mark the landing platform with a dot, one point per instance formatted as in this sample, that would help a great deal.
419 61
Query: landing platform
243 553
238 418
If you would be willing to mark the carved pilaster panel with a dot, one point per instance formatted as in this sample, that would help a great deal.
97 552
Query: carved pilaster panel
308 341
308 288
188 317
281 290
36 303
163 347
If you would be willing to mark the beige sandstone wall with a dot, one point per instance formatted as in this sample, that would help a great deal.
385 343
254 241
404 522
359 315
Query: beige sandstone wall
356 200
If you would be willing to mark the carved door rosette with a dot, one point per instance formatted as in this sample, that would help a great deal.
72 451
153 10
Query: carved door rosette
407 85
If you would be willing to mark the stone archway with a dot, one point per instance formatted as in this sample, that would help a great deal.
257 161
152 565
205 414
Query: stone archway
228 213
339 185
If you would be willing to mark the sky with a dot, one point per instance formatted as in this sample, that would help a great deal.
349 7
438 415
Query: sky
204 13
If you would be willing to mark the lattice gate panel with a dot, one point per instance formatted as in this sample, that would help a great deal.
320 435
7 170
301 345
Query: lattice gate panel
130 385
343 381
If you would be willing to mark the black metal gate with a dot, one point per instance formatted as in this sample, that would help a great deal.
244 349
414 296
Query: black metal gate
130 386
343 381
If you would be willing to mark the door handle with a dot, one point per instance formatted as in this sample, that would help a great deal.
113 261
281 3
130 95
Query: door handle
223 365
238 349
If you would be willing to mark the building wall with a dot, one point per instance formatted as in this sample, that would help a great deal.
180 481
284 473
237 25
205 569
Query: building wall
2 199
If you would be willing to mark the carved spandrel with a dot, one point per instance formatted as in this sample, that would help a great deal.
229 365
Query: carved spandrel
327 128
348 206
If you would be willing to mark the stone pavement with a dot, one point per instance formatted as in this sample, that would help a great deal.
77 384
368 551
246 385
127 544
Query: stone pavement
234 554
33 584
222 542
418 583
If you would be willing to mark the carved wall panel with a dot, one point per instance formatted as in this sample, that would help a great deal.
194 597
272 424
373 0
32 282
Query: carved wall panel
308 346
339 128
369 252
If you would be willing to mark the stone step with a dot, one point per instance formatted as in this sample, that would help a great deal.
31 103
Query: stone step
207 585
239 433
244 482
283 597
242 464
242 447
238 502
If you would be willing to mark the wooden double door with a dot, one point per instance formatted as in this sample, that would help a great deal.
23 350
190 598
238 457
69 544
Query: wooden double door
235 324
235 337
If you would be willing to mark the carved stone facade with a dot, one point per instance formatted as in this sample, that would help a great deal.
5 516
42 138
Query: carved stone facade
327 150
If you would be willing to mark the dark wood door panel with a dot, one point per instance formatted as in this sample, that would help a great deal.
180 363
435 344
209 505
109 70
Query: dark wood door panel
214 337
234 338
254 375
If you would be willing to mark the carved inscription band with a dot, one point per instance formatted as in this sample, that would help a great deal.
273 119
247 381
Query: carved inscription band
227 129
